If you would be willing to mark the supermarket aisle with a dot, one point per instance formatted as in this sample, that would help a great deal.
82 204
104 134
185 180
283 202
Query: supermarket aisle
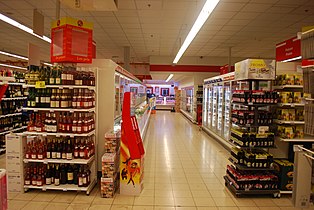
183 170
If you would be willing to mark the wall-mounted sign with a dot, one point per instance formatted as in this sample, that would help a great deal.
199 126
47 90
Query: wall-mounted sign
288 49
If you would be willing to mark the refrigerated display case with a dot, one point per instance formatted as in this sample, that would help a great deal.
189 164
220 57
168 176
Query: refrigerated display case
187 105
217 106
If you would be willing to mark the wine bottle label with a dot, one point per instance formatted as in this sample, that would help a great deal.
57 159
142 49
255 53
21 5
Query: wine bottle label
52 103
37 99
33 156
85 128
47 100
40 156
58 155
27 156
70 176
57 181
48 155
82 154
79 129
27 182
84 180
51 80
76 154
73 104
64 155
69 76
64 76
34 182
48 181
29 103
69 156
38 129
90 127
54 128
57 104
64 104
43 99
33 103
58 81
53 155
73 128
80 181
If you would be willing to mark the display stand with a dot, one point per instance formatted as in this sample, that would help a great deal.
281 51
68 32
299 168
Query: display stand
131 151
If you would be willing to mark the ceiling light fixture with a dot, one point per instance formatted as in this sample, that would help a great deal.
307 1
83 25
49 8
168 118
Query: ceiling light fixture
22 27
169 77
10 66
13 55
207 9
292 59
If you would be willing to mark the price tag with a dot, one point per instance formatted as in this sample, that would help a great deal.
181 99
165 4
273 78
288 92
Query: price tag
292 105
45 162
60 87
58 135
51 110
263 129
65 189
44 188
25 161
44 134
40 84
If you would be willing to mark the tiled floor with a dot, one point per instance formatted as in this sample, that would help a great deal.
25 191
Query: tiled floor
183 170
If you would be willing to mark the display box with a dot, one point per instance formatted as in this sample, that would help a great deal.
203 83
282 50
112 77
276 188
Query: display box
15 182
284 171
259 69
71 41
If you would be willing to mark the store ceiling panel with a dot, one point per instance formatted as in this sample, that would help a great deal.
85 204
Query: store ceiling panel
158 27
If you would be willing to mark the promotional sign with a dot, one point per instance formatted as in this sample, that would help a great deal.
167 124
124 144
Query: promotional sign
288 49
71 41
259 69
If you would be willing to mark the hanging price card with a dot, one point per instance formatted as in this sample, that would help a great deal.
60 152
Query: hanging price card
40 84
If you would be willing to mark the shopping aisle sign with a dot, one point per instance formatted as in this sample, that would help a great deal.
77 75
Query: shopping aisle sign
71 41
260 69
288 49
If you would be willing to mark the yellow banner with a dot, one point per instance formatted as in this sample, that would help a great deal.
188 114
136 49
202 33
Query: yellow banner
73 22
40 84
257 63
307 28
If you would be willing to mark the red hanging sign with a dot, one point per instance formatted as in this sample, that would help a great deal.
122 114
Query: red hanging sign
288 49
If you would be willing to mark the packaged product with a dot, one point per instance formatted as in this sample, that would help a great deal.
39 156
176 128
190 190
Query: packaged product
288 132
285 114
306 95
299 131
298 79
297 96
286 97
299 115
291 114
289 79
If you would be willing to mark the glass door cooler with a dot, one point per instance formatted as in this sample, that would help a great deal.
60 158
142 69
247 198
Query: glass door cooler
217 106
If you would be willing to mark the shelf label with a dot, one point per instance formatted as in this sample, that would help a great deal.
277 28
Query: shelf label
40 84
45 162
44 188
65 189
51 110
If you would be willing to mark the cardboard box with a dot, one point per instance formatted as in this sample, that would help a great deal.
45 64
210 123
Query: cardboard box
291 114
284 171
297 97
299 131
255 69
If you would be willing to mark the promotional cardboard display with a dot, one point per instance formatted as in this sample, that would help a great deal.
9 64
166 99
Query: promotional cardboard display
255 69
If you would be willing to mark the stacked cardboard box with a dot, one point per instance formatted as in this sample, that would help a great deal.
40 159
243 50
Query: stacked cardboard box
284 170
177 99
110 164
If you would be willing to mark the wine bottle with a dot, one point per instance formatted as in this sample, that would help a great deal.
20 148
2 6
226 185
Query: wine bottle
48 151
75 174
34 177
69 155
63 177
40 180
27 179
70 174
48 175
80 178
53 150
76 150
64 150
57 176
59 149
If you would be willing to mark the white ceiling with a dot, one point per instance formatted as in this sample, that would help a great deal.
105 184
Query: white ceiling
157 27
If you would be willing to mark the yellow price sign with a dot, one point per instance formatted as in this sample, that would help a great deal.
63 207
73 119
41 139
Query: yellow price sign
40 84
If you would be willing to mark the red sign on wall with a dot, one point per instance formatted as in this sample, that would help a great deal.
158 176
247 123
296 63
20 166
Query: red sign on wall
288 49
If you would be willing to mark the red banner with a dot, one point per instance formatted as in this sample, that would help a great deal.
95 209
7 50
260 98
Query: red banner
288 49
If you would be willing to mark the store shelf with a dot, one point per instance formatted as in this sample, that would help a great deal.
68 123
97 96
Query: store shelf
286 87
289 122
143 132
249 192
64 86
305 139
58 109
10 115
290 104
59 134
13 130
15 98
64 161
65 187
253 104
11 83
245 168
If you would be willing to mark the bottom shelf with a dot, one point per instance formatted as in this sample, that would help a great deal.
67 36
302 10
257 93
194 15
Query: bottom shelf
275 193
65 187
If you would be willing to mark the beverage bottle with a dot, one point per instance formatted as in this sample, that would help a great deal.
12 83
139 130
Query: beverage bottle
57 176
40 153
64 150
52 76
58 76
74 100
76 150
37 98
64 76
28 153
63 172
53 126
34 177
27 179
74 123
63 100
53 98
34 151
80 178
48 98
69 123
70 174
57 98
42 102
40 180
48 152
79 124
75 174
82 150
85 123
48 176
84 176
52 172
53 150
59 149
86 151
69 150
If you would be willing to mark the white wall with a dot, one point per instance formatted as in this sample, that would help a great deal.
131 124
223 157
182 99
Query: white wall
171 89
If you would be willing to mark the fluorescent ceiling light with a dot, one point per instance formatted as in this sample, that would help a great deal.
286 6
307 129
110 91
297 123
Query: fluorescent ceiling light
207 9
169 77
22 27
10 66
13 55
47 64
292 59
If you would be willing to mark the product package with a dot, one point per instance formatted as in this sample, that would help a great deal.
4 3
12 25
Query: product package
284 171
297 97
